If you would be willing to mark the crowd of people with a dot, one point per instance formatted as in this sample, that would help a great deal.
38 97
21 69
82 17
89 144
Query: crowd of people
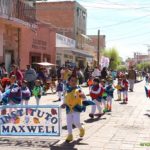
17 88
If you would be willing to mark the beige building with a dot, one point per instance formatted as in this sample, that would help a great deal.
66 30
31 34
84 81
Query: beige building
67 53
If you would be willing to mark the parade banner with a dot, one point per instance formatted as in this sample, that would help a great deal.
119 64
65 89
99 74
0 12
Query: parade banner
30 120
104 62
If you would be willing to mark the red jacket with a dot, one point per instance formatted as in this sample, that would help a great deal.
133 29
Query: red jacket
96 91
125 84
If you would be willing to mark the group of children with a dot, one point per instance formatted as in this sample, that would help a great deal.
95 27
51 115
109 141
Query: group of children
101 93
11 93
74 99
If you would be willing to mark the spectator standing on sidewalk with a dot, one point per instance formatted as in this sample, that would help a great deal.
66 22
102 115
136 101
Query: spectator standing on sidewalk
16 72
104 73
131 78
2 70
30 76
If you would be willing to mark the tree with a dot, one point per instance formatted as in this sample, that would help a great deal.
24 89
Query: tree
114 57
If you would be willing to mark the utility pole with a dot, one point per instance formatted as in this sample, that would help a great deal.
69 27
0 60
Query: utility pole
98 38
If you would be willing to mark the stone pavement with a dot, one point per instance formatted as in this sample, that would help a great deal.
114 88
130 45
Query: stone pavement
127 127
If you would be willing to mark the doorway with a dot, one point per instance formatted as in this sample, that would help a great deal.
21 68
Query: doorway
8 60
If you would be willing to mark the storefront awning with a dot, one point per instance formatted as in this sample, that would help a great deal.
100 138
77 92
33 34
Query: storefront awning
82 53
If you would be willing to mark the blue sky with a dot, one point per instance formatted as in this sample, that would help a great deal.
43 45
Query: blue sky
126 23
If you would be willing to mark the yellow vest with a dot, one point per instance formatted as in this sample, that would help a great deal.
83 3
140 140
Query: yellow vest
73 98
66 75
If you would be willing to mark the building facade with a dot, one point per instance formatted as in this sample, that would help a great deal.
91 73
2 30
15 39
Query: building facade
14 16
67 53
23 40
68 18
38 46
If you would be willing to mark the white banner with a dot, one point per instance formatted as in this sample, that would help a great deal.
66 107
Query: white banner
63 41
30 121
104 62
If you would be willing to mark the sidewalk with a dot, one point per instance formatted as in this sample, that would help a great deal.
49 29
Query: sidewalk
125 128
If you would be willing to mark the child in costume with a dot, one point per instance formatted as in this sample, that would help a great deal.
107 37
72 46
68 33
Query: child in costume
96 92
26 94
104 96
37 91
109 90
90 81
74 106
60 89
13 93
119 88
125 89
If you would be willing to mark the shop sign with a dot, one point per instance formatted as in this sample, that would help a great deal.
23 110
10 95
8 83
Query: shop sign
63 41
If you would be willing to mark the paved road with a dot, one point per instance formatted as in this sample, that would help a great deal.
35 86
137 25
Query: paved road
127 127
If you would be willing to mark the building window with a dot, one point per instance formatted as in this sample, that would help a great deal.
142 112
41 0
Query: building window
35 57
46 58
78 12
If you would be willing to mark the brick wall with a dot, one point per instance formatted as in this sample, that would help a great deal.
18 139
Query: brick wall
94 41
40 42
59 14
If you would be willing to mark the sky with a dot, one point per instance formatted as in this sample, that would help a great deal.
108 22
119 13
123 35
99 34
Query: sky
125 23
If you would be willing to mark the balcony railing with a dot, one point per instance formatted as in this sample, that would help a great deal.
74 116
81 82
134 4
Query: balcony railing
17 9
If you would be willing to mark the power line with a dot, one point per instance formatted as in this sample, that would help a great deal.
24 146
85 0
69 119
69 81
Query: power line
122 22
107 2
129 36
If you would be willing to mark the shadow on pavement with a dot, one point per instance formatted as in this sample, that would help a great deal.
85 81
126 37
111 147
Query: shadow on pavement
51 93
118 100
28 143
57 101
67 146
148 115
93 120
73 127
122 103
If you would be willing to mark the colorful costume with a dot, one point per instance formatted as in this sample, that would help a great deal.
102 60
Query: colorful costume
14 96
119 89
37 92
73 100
25 93
74 106
110 94
147 91
96 93
125 90
60 90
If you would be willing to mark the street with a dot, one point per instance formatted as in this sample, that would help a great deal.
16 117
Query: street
127 127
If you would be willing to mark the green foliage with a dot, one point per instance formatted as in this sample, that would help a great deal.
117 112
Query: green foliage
143 66
114 57
121 68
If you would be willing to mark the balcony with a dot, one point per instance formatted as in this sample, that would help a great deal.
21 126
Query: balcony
17 10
